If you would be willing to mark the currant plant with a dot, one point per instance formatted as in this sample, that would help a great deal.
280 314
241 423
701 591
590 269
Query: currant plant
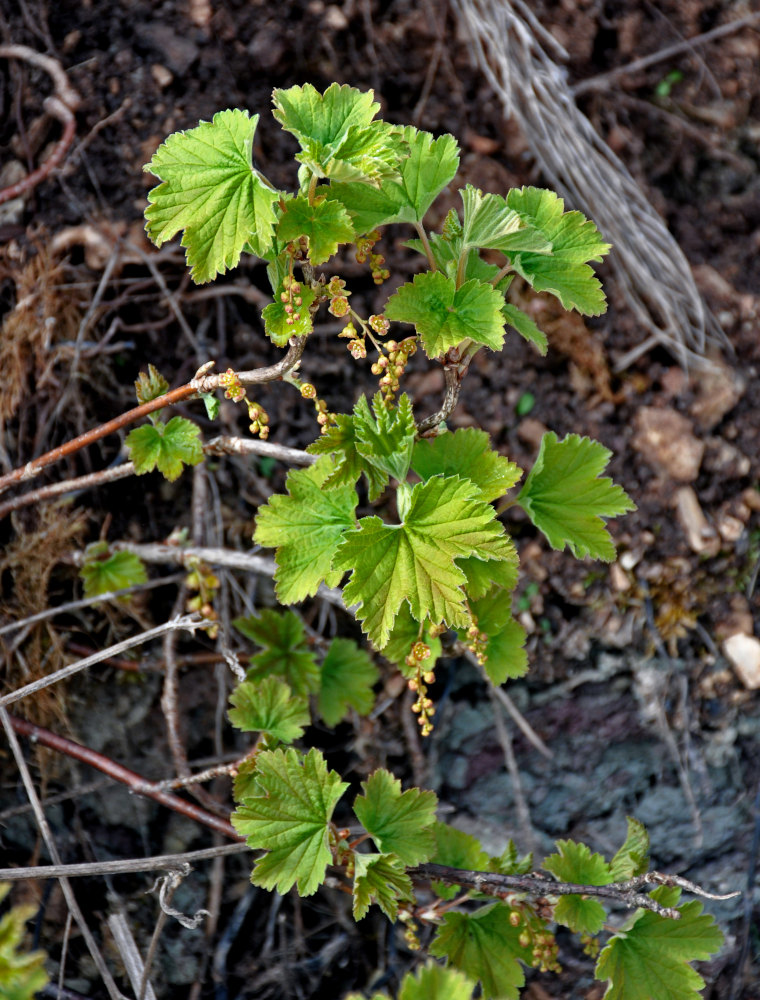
432 571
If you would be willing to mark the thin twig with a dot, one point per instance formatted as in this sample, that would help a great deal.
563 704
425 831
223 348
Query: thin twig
203 384
61 106
521 803
135 782
534 884
603 80
10 728
189 622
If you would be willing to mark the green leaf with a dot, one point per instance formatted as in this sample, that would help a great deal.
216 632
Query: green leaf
115 572
436 982
456 849
211 191
574 239
414 561
340 441
482 577
566 501
575 863
270 707
324 223
286 652
381 879
466 453
337 134
150 385
289 817
399 823
386 442
506 657
167 447
633 857
425 172
306 527
648 959
510 863
22 972
348 676
486 947
445 315
490 223
525 326
276 318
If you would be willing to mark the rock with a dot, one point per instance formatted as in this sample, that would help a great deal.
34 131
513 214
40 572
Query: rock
701 536
719 390
743 652
177 51
665 440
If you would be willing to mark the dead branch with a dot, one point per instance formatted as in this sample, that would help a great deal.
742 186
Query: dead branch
61 105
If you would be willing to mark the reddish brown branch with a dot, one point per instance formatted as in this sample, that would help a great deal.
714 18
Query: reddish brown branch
119 773
61 106
206 383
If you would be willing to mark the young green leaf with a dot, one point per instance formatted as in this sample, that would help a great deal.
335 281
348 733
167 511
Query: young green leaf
337 134
414 561
269 706
525 326
276 318
648 959
385 441
486 947
466 453
436 982
286 652
339 441
289 817
483 577
116 572
167 447
458 850
574 239
425 172
150 385
490 223
510 863
22 972
566 500
399 823
381 879
347 678
211 191
445 315
324 223
306 527
633 857
575 863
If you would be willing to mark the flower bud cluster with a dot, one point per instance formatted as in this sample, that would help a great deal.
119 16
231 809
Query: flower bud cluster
364 245
411 935
336 289
233 389
423 708
477 643
291 299
391 366
256 414
206 583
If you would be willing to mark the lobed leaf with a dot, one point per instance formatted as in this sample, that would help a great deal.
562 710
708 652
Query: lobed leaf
445 315
399 823
306 528
289 818
210 189
566 500
286 653
116 572
436 982
458 850
575 862
381 879
324 223
276 324
269 706
347 678
385 437
166 447
467 453
490 223
633 857
649 958
486 947
575 240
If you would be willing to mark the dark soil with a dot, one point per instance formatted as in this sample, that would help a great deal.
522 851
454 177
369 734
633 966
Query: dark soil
628 687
